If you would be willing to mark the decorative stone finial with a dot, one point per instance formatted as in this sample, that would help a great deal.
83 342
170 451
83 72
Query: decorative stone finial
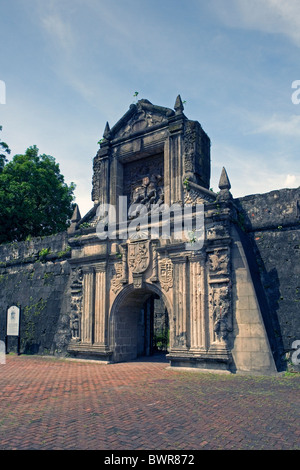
178 105
74 219
224 182
106 133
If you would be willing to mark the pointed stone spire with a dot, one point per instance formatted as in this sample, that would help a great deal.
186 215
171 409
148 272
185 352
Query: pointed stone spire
76 217
178 105
76 214
106 133
224 182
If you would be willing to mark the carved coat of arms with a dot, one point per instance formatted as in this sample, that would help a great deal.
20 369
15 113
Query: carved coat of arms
165 273
138 256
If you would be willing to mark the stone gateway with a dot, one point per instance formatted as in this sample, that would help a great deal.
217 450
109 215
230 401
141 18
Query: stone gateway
122 287
154 156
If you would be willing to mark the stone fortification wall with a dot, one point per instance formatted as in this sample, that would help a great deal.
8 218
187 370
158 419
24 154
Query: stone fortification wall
270 224
34 275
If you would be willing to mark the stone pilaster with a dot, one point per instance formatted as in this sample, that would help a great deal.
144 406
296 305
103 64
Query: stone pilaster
88 305
180 302
198 325
100 304
173 160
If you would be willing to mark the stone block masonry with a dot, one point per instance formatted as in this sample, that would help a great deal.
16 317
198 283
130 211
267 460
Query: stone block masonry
232 302
34 274
271 226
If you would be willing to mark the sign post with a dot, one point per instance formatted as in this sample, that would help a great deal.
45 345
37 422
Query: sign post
13 325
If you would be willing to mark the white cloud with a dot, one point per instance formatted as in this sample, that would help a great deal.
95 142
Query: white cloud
249 172
60 31
270 16
279 126
291 181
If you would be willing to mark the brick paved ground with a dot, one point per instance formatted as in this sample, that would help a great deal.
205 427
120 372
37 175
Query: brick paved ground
57 404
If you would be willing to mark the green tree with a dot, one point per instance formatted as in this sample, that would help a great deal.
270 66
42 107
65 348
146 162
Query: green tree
34 199
3 156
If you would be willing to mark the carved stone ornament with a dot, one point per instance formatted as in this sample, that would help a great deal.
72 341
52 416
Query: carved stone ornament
165 273
76 303
137 281
75 318
117 277
138 122
217 232
220 307
218 262
138 256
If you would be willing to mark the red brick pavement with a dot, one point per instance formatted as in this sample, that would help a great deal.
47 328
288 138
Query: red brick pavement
54 404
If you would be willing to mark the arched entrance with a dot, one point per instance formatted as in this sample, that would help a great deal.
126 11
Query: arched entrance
139 324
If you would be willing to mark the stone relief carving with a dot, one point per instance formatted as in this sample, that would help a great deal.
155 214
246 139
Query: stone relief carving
216 232
165 273
97 170
138 256
149 192
154 277
75 317
193 196
189 148
76 303
137 281
139 121
144 181
219 262
117 276
220 311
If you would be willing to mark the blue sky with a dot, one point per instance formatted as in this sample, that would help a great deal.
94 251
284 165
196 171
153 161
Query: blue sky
71 65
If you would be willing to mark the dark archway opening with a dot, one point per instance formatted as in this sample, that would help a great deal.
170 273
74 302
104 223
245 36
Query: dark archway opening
155 325
140 326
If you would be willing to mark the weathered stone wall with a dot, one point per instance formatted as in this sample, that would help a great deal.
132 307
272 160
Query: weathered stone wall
35 275
270 224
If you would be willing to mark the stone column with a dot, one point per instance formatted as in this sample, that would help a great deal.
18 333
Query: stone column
197 303
88 305
100 304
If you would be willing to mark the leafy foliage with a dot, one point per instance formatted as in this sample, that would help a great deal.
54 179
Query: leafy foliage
6 151
34 199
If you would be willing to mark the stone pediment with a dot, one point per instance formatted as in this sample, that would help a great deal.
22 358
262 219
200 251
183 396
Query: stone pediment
139 118
196 194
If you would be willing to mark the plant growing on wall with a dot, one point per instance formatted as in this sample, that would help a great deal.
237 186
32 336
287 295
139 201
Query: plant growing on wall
186 184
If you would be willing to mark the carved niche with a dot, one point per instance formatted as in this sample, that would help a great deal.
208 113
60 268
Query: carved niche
144 181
